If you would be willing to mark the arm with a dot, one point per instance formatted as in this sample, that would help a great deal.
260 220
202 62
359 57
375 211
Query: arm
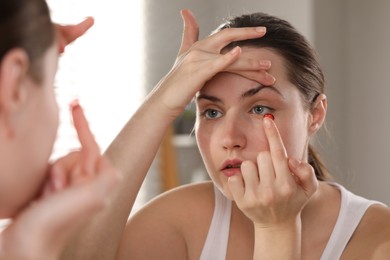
135 147
272 194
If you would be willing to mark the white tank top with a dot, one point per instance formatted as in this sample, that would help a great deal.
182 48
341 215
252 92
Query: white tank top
351 212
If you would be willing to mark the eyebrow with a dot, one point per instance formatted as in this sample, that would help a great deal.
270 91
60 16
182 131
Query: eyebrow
258 88
246 94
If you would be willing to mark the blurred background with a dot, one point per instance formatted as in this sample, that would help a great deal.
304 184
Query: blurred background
134 43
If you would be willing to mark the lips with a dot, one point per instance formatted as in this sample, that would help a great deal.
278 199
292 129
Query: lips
231 167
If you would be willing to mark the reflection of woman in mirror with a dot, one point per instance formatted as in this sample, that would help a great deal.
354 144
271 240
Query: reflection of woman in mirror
43 216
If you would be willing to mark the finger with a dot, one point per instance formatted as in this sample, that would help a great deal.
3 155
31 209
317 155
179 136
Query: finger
243 64
236 186
253 69
67 162
250 177
219 40
190 31
58 177
69 33
260 76
305 175
266 169
222 62
277 150
89 148
78 175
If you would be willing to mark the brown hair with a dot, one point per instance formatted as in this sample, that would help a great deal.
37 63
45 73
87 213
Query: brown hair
26 24
303 68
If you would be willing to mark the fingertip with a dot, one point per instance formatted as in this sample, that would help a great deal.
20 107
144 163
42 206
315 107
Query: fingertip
74 104
270 79
267 122
185 12
90 19
85 25
235 51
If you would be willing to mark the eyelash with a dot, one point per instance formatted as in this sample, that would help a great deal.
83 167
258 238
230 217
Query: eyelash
266 110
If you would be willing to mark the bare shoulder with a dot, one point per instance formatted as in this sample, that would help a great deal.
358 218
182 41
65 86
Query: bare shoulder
376 223
170 225
184 200
372 237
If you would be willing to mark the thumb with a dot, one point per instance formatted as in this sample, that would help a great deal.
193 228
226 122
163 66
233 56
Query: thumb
190 31
69 33
304 176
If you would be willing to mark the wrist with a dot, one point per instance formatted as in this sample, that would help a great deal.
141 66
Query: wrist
278 240
287 224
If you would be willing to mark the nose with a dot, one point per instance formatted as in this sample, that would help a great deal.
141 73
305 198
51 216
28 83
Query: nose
233 133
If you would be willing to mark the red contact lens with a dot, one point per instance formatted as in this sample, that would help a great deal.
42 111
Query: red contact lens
270 116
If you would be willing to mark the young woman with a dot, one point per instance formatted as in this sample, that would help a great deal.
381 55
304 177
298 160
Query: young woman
269 196
44 211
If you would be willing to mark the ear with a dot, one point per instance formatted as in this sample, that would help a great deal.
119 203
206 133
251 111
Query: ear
13 72
317 114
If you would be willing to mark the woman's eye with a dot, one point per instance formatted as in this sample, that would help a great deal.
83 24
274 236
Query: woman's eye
212 113
261 110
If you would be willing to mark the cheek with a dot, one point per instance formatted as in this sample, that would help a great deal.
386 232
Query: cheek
203 141
52 117
47 130
295 138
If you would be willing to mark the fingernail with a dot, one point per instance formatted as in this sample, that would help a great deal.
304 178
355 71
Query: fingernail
74 104
235 50
265 63
261 29
270 78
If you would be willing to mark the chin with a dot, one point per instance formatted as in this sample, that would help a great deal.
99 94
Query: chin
225 191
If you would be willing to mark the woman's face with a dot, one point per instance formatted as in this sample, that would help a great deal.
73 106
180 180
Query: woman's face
35 127
230 110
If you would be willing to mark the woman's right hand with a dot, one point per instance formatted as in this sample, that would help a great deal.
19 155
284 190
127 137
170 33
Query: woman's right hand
78 187
272 192
199 60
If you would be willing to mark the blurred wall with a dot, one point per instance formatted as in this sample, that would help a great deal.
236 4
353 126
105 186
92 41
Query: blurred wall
163 25
352 40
